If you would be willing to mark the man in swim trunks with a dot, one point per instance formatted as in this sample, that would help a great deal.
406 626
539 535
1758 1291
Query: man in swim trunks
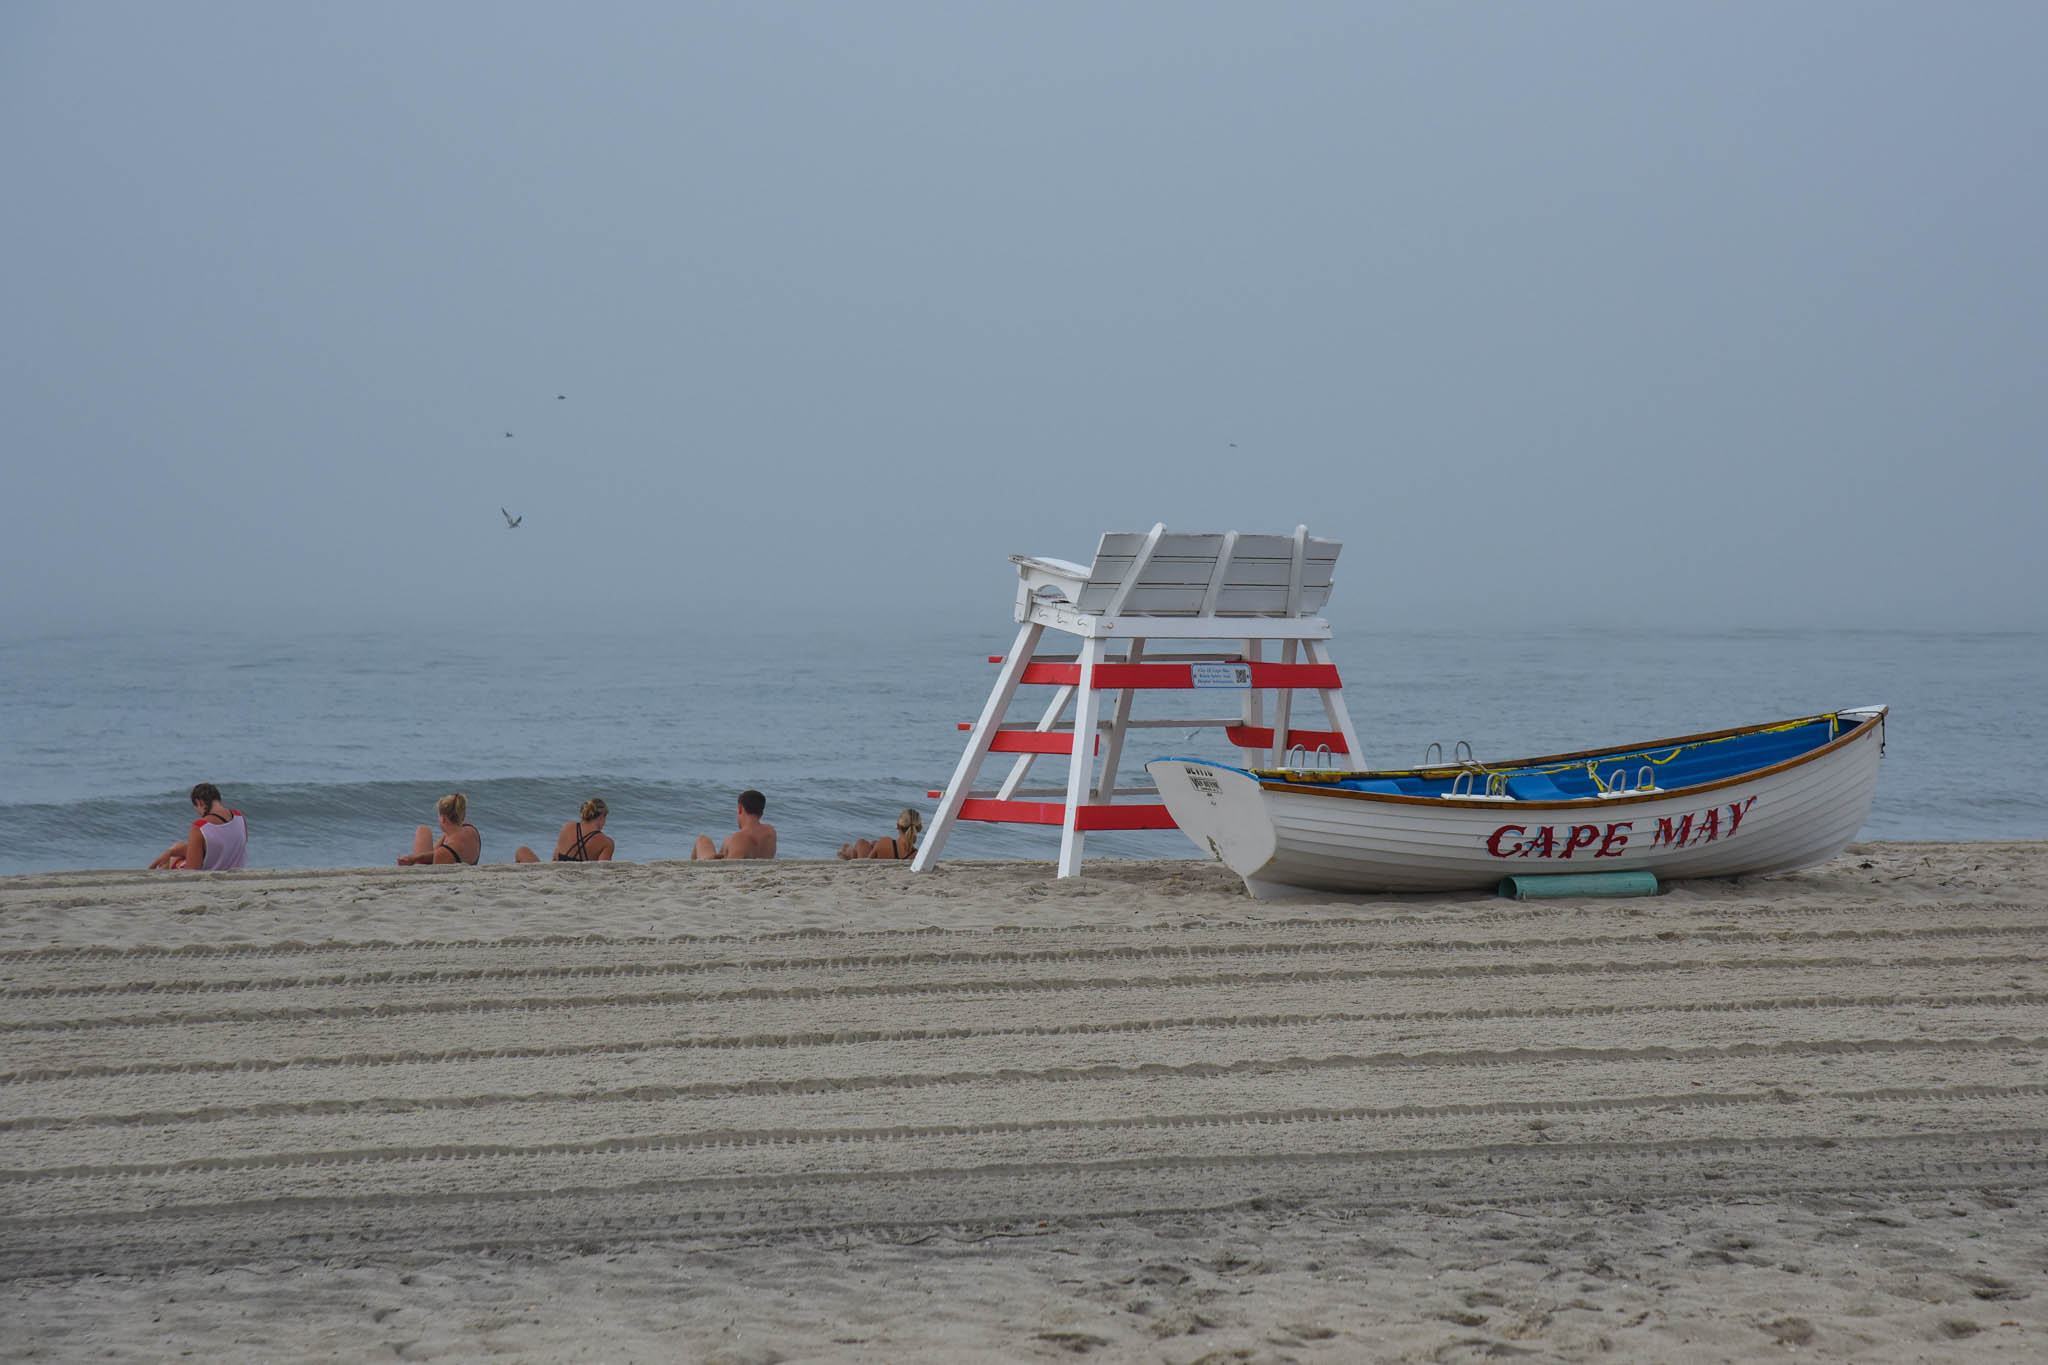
755 838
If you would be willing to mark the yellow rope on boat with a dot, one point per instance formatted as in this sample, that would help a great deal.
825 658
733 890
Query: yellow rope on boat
1648 757
1590 765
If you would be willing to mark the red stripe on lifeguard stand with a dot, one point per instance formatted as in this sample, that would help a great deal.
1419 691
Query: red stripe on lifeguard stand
1035 742
1178 676
1150 815
1261 737
1039 741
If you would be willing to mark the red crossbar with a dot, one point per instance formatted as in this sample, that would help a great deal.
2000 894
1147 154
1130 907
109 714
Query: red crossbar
1261 737
1130 816
1035 742
1179 675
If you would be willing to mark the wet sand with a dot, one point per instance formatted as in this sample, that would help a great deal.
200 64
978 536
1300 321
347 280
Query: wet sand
805 1111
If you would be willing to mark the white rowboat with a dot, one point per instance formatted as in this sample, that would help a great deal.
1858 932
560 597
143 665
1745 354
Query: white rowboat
1761 799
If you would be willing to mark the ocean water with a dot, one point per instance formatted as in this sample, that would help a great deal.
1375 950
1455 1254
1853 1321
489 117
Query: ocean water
337 742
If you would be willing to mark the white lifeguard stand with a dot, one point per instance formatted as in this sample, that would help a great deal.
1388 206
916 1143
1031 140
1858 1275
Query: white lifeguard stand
1238 590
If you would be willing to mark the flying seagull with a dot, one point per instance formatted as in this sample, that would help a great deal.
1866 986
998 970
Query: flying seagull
511 522
560 396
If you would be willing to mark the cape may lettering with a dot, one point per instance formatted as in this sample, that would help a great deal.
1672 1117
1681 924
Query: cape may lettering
1609 841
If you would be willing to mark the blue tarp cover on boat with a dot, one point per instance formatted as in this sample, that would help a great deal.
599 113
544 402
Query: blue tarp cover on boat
1664 768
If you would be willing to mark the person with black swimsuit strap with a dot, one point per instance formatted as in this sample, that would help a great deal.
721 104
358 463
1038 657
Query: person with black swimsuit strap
576 844
457 853
461 842
901 844
579 851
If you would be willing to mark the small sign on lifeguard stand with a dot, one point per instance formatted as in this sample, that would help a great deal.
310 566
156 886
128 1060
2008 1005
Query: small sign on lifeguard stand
1239 591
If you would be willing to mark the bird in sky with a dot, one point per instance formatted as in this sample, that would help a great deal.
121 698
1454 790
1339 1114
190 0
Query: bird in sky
560 396
511 522
508 435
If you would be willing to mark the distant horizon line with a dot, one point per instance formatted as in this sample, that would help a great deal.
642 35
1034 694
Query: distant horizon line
944 619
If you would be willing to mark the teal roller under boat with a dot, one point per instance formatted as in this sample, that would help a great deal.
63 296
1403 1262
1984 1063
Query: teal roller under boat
1558 885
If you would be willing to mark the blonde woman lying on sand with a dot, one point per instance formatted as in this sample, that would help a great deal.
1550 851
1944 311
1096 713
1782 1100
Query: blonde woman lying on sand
902 844
460 842
575 844
218 839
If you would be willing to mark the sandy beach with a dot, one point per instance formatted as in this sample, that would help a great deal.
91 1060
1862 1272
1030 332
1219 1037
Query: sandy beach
814 1111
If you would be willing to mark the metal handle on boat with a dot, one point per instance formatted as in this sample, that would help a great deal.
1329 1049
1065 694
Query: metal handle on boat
1462 753
1434 748
1617 782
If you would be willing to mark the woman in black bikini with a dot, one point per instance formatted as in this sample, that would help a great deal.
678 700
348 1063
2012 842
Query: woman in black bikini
581 841
460 842
901 844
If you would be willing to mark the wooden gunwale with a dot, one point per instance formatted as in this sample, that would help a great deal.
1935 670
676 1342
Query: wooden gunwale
1593 802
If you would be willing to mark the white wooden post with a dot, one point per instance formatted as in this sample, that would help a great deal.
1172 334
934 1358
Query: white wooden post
1254 705
1297 565
1334 708
977 746
1283 703
1120 719
1220 574
1135 572
1283 707
1087 706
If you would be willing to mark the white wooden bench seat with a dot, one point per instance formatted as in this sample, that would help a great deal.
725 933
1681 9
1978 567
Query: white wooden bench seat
1153 573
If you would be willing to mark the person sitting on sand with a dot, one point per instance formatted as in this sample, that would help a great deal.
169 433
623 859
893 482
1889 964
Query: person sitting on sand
901 844
218 839
575 844
755 838
460 842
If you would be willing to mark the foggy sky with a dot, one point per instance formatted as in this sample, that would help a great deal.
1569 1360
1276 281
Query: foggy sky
1603 313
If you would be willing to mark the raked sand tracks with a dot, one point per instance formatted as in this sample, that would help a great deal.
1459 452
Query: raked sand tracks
365 1067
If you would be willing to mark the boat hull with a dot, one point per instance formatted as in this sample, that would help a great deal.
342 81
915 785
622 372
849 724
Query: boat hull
1289 839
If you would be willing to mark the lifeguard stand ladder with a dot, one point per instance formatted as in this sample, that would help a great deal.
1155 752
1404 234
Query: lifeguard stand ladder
1238 590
